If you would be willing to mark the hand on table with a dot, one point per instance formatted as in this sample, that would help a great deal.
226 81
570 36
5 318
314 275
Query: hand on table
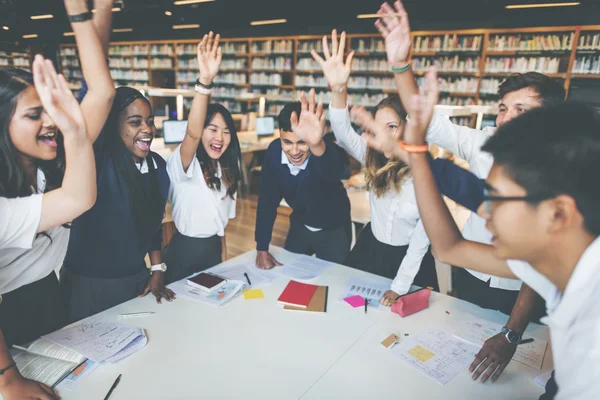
388 298
493 357
156 285
264 260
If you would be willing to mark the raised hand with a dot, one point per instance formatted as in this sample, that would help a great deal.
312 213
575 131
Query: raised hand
395 29
377 135
57 99
311 124
337 72
209 58
421 109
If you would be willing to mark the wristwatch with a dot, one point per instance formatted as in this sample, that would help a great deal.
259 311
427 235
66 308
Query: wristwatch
513 337
198 83
158 267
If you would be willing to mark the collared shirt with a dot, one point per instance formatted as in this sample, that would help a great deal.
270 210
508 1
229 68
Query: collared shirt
25 256
574 321
466 143
198 211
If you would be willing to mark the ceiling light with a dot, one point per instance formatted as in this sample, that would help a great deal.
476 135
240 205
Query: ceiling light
184 2
30 36
69 34
123 30
543 5
269 22
45 16
5 28
189 26
168 13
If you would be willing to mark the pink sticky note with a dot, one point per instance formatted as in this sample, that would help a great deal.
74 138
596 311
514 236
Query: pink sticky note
355 301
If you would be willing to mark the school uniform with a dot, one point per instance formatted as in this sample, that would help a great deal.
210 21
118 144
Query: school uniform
200 215
104 265
30 301
482 289
320 221
574 322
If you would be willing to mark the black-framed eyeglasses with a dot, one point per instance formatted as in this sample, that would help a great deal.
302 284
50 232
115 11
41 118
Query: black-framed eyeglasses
488 199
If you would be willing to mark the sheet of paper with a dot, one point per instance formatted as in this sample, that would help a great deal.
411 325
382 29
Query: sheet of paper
78 375
303 267
95 339
543 379
477 331
47 348
217 298
370 290
134 346
41 369
437 353
355 301
236 272
253 294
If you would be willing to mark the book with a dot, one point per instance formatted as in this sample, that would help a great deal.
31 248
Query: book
318 302
297 294
45 361
206 282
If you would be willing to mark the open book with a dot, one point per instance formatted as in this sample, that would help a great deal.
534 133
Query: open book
46 362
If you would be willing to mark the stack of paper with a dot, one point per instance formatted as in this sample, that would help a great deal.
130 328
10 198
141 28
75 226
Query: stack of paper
303 267
370 290
238 272
217 298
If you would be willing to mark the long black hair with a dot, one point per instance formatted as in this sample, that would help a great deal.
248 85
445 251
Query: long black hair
13 179
230 160
145 205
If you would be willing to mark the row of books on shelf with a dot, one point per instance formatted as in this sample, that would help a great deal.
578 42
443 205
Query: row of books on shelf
228 78
490 85
307 64
228 92
273 46
587 65
161 50
546 65
447 64
457 101
447 43
305 47
589 41
284 94
21 62
128 50
368 45
265 79
70 63
280 63
528 42
72 74
136 76
462 85
161 63
5 62
127 63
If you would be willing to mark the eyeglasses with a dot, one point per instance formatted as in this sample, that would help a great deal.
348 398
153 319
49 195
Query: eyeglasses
487 199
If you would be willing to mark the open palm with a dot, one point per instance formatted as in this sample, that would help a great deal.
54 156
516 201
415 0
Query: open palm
337 72
395 29
311 124
209 57
421 109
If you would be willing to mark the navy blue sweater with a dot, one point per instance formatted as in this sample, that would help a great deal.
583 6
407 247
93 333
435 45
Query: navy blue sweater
316 195
457 183
103 241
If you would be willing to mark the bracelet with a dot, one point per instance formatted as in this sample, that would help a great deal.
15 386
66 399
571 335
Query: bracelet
411 148
210 86
2 371
202 90
399 70
86 16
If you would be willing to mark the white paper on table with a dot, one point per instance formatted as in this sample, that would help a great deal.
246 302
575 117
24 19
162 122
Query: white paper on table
41 369
75 378
437 353
543 379
95 339
371 290
217 298
477 331
303 267
134 346
236 272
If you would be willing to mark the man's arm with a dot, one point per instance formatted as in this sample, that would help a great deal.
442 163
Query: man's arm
458 184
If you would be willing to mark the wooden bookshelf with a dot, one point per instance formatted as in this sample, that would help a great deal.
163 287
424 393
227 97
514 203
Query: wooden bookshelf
474 62
16 59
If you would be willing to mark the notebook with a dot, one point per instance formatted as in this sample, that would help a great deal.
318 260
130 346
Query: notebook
318 303
297 294
206 282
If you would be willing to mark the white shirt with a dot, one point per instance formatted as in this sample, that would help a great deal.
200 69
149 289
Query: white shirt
395 216
25 256
574 321
466 143
198 211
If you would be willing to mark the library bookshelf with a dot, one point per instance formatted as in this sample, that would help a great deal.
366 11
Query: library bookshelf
16 59
471 64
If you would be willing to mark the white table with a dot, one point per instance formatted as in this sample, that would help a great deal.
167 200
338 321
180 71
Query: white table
256 350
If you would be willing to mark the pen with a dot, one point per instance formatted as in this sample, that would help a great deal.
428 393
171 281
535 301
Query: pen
366 303
114 385
136 314
525 341
247 278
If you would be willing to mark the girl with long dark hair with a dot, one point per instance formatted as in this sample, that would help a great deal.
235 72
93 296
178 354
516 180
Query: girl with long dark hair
204 171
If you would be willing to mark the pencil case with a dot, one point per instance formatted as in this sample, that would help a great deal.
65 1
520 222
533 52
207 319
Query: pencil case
412 303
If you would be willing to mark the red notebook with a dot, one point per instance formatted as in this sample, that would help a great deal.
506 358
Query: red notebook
297 294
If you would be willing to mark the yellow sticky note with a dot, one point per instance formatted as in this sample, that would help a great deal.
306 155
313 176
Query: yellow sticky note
253 294
421 353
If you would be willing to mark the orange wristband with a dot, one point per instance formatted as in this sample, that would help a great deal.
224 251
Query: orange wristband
411 148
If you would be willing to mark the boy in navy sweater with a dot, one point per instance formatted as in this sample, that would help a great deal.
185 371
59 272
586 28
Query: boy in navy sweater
306 170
